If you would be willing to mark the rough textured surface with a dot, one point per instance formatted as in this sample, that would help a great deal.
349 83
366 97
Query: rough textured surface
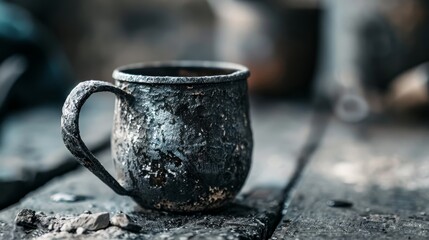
32 151
87 221
380 169
251 216
177 147
191 147
26 218
279 131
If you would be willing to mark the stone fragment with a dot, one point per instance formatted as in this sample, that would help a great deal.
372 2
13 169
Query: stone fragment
123 221
26 218
91 222
80 230
64 197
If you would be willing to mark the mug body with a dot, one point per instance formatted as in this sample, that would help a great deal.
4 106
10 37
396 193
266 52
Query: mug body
184 143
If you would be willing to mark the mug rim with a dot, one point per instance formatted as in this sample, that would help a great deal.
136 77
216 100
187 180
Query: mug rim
240 72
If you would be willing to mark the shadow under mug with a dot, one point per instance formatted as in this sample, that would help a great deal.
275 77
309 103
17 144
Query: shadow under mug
181 137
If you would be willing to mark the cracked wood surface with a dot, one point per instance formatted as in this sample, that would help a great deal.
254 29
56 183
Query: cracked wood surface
382 169
279 131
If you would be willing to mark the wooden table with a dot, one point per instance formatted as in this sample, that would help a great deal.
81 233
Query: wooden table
377 173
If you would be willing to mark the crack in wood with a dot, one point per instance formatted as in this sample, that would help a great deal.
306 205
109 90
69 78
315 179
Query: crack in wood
318 124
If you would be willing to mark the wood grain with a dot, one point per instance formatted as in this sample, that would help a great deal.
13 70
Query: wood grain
381 168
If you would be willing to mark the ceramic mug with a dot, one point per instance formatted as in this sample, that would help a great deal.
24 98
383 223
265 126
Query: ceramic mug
181 137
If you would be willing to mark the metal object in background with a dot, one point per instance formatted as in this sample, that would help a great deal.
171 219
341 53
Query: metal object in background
366 45
181 137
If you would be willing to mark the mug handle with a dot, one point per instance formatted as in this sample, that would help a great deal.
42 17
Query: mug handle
71 134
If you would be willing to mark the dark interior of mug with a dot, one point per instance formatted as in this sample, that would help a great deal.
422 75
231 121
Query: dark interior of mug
174 71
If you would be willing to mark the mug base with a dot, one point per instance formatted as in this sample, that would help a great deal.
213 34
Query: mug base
206 204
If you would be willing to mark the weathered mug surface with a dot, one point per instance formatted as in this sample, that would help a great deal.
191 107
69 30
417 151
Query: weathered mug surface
181 138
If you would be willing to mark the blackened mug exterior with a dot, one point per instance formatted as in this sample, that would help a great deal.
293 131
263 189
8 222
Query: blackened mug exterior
181 138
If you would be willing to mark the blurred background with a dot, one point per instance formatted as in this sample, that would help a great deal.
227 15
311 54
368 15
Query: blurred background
358 59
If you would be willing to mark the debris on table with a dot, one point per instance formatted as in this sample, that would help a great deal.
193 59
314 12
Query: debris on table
28 218
92 222
339 204
251 216
66 197
123 221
